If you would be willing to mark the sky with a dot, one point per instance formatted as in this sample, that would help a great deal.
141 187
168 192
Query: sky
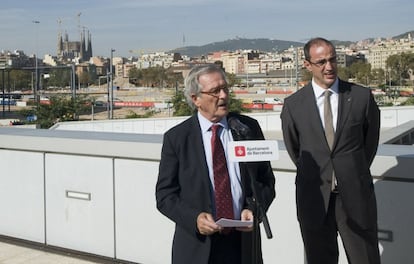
134 26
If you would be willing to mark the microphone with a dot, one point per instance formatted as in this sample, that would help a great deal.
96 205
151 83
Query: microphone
242 131
245 149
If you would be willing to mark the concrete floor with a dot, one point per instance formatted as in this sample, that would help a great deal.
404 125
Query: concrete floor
12 252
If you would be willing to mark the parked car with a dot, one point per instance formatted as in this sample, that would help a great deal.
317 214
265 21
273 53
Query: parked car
273 100
7 101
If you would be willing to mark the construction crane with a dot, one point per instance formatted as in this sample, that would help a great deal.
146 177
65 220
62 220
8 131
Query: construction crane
79 25
59 20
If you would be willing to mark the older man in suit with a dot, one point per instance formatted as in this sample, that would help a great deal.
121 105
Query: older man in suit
331 132
188 188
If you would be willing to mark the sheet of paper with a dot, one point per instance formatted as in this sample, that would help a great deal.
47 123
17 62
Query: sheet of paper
223 222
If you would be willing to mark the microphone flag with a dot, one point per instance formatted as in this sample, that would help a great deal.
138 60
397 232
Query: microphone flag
252 150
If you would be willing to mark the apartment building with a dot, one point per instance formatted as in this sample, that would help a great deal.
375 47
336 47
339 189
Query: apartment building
380 51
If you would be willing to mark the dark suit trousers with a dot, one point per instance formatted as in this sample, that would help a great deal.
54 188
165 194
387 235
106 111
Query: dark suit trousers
321 245
225 249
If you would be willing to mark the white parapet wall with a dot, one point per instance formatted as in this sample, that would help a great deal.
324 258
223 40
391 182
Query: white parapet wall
94 192
269 121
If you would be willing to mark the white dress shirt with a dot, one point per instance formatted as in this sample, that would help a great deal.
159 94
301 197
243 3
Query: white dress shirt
319 97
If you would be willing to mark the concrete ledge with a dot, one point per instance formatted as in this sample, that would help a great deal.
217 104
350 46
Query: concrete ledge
400 135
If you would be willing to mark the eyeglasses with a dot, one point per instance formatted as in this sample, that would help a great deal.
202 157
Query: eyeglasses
216 92
323 62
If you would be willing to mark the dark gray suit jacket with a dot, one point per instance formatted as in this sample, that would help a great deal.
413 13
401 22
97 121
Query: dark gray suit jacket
355 146
183 188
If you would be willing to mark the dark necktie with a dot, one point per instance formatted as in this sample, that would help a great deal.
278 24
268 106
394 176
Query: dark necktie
222 190
329 129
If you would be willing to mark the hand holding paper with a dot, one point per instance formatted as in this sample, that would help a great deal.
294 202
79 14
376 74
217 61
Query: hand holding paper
223 222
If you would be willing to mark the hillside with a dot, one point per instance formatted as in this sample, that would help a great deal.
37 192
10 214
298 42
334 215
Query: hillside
262 44
405 35
236 44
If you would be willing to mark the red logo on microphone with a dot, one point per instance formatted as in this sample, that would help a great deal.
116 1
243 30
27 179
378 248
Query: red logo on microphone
240 151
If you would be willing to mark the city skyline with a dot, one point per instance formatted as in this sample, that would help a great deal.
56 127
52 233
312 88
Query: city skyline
162 25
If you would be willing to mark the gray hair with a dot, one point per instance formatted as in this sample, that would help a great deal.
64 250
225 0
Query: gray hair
192 84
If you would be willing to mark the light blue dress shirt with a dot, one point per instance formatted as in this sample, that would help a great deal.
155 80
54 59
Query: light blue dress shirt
233 167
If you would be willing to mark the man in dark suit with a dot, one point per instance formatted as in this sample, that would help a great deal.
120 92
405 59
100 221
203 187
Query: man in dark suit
185 190
333 152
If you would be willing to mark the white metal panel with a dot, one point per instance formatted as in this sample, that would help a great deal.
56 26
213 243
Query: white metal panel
274 123
286 243
405 114
395 220
143 234
389 118
79 203
22 195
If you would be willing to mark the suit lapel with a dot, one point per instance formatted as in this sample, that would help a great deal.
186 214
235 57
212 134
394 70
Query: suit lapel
196 138
200 161
312 115
344 108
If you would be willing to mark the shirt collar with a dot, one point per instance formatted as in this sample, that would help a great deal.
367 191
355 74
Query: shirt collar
319 91
206 124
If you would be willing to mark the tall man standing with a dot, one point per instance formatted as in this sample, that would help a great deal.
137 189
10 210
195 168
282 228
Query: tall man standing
331 131
197 185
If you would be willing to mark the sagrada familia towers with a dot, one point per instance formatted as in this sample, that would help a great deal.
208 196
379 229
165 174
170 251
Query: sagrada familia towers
75 50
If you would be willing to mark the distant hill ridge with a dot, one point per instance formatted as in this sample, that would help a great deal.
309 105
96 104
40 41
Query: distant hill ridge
262 44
